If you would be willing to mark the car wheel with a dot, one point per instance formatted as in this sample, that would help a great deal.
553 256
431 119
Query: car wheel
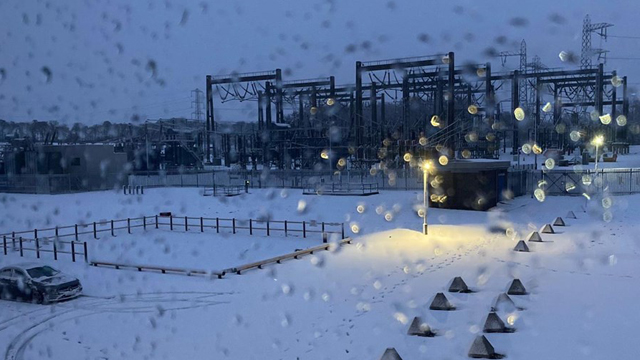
41 298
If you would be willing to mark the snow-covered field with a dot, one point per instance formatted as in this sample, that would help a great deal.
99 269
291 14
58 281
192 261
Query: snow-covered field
351 303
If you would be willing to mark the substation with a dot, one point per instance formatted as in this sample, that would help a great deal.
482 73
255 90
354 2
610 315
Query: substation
421 106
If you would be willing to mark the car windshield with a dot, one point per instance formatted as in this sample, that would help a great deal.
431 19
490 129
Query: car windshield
42 271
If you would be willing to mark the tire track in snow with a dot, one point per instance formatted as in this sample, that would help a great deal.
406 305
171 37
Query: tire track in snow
16 348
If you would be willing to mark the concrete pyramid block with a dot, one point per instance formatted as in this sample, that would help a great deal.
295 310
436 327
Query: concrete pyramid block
390 354
517 288
482 348
571 215
458 285
558 222
547 229
535 237
504 303
494 324
521 246
440 302
420 328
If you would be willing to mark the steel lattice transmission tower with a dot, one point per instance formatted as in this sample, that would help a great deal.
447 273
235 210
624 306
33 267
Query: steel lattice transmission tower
588 52
197 104
522 83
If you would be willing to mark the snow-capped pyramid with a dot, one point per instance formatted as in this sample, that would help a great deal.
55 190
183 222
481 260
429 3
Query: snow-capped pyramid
494 324
420 328
547 229
458 285
517 288
535 237
571 215
440 302
558 222
521 246
504 303
482 348
390 354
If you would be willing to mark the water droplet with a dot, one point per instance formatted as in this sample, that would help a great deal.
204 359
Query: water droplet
443 160
605 119
377 285
539 194
472 109
47 74
519 113
435 121
302 206
550 163
621 120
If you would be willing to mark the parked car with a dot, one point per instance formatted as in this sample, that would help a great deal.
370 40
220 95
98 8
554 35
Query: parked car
37 283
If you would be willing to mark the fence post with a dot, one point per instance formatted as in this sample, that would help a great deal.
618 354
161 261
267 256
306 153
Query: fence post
13 237
233 221
4 243
129 225
343 230
186 224
35 233
86 257
304 229
95 232
37 248
285 228
268 232
55 251
171 222
217 225
324 237
144 223
56 231
21 251
112 231
156 221
323 226
201 224
250 226
73 251
630 181
76 228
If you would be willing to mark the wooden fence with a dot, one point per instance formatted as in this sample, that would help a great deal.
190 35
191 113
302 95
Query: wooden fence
49 240
220 274
45 245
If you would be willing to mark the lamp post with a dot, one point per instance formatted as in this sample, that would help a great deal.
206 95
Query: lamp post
425 172
597 141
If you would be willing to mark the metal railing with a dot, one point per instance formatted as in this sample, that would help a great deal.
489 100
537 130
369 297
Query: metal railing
341 189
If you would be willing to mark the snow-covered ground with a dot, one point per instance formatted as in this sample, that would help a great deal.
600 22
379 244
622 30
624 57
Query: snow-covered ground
351 303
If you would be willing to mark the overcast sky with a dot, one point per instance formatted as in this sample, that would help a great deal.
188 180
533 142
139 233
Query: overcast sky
90 61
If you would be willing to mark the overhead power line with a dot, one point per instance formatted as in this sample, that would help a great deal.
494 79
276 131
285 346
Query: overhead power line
624 37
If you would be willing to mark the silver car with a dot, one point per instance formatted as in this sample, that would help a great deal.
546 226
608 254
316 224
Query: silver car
37 283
